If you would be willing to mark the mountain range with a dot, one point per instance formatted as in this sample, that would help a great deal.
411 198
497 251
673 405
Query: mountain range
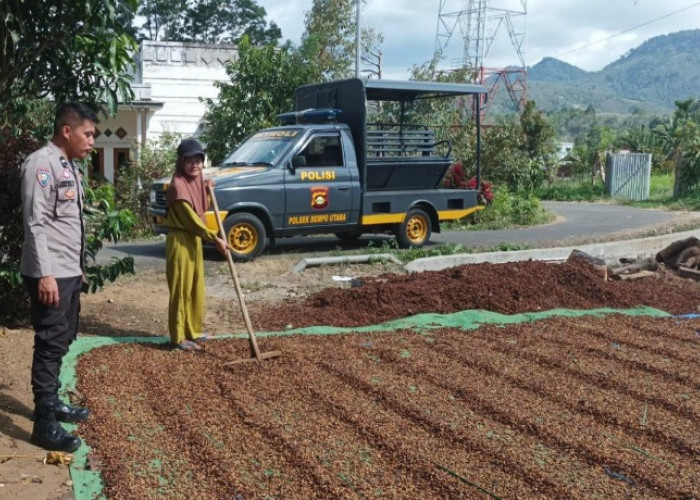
648 79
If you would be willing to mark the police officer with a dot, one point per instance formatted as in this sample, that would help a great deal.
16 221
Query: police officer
52 265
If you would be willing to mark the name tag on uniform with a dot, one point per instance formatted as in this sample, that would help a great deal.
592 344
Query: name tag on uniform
63 184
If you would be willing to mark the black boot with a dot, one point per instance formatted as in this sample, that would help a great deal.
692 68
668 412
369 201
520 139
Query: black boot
48 433
70 414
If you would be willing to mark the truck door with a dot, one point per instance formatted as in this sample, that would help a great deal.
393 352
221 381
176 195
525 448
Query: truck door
321 192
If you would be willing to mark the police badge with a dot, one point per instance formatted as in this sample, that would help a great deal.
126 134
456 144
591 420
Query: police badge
43 176
319 197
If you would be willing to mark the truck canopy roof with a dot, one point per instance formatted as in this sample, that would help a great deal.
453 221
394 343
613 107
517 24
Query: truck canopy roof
379 90
395 90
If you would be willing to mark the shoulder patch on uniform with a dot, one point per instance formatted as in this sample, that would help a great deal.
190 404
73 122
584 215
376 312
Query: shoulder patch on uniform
43 176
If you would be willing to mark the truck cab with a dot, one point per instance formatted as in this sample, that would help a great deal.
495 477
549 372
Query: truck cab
326 169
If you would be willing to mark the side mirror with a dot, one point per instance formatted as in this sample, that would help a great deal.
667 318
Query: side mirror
298 161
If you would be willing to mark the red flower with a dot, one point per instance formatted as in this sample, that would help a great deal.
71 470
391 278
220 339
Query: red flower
457 178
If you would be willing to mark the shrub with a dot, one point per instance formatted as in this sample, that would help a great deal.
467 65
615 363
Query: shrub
508 210
14 148
155 159
104 222
506 161
457 178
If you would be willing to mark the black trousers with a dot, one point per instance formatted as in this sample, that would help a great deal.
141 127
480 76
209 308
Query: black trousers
55 329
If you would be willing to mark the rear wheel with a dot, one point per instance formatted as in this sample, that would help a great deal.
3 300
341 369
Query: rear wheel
246 236
415 230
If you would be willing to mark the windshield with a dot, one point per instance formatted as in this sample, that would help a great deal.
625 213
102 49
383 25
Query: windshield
263 148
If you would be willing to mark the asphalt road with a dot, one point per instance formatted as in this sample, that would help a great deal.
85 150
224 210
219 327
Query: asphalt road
577 223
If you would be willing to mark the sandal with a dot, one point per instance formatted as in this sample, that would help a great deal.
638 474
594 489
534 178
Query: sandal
203 338
188 345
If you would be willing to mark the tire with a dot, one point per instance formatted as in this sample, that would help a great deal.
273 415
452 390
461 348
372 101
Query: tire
348 235
246 236
415 229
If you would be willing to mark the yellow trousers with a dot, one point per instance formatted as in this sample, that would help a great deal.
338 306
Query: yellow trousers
185 274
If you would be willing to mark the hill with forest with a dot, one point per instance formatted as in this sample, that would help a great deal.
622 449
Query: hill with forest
648 79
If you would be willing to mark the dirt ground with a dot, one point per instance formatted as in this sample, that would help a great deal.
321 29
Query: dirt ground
135 306
563 408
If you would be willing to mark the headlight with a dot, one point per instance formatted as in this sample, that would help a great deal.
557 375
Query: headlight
152 197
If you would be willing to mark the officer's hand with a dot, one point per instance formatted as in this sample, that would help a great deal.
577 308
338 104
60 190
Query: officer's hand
48 291
222 246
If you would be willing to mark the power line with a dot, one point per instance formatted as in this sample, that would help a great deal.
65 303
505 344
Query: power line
628 30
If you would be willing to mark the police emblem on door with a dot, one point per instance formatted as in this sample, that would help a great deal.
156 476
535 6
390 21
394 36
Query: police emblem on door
319 197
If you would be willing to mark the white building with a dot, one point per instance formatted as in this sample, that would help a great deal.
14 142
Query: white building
171 79
563 149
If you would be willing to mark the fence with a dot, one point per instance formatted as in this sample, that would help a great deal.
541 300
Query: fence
628 175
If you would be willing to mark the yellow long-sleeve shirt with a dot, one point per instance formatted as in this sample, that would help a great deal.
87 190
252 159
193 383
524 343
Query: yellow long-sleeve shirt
182 216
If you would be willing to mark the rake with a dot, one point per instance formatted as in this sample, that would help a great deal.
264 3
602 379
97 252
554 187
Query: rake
256 355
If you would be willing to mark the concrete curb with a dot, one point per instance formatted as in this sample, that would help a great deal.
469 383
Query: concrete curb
346 259
611 252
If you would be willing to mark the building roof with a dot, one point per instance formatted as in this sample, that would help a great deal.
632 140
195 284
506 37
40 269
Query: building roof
142 104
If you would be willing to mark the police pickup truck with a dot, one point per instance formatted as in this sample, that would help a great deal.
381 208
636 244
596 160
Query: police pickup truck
327 170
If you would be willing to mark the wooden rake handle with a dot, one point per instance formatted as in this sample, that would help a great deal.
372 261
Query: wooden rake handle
234 275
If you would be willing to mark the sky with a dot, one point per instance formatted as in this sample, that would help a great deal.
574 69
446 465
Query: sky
586 33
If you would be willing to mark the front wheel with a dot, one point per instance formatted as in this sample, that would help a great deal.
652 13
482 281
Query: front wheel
415 229
246 236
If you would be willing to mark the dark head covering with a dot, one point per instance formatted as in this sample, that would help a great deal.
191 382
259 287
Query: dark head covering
189 148
186 188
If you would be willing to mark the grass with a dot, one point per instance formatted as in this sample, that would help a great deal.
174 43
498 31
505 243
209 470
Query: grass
660 194
572 190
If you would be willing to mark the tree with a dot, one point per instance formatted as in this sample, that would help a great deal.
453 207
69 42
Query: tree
263 80
331 25
679 140
506 160
159 15
540 138
452 119
371 52
65 50
589 151
643 139
207 21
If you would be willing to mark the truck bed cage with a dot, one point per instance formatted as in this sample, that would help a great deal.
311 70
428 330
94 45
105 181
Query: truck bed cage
388 139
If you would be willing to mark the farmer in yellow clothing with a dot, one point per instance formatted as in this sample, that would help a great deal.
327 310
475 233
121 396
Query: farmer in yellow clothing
187 202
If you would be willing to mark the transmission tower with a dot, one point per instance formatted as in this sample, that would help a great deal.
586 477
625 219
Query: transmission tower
480 23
